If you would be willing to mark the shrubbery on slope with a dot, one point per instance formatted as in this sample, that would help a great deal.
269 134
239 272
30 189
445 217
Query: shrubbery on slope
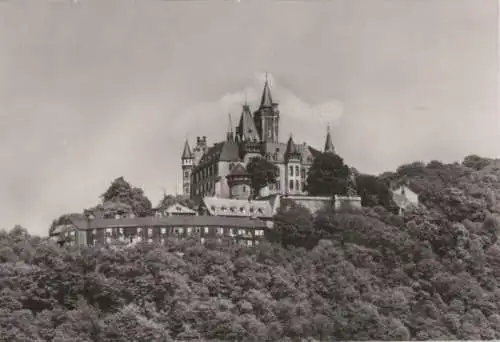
373 276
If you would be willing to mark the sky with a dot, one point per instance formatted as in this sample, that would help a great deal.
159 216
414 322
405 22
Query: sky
92 90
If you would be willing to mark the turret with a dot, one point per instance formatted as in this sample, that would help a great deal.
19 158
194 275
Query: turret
267 117
239 183
187 162
329 148
293 166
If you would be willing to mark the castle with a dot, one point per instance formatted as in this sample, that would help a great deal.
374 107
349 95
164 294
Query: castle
219 171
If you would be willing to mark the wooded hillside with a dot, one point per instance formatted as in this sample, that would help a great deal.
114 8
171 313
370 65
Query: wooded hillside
365 275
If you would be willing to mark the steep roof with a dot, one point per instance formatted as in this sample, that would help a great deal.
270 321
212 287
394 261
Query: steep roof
266 100
329 148
292 150
276 152
246 129
187 154
222 151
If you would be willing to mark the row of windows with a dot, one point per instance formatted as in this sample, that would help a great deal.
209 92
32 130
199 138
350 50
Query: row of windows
184 230
234 209
296 186
206 172
298 171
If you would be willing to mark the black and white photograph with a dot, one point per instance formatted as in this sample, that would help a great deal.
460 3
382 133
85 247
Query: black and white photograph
249 170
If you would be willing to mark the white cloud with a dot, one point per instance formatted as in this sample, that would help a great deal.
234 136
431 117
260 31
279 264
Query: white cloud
306 121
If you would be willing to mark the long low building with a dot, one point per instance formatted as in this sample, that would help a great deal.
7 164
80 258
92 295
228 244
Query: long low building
242 230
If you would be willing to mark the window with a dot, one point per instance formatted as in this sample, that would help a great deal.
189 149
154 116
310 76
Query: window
206 230
303 173
108 240
297 185
202 240
260 210
150 240
297 170
94 231
241 231
188 230
120 230
256 242
244 188
186 174
291 171
163 230
242 209
220 231
109 231
259 232
291 185
197 230
150 231
139 230
233 209
162 241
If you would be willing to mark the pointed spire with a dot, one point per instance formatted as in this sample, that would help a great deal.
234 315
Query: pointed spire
329 148
229 133
187 154
292 152
266 100
246 129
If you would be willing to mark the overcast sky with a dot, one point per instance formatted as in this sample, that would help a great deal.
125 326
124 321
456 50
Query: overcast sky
92 90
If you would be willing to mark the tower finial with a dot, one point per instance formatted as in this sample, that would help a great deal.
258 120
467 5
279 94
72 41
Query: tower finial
266 76
266 100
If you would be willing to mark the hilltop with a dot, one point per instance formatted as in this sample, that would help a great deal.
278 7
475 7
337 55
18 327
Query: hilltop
353 275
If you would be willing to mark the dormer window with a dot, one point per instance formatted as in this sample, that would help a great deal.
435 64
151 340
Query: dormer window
260 210
251 209
212 207
233 209
242 209
223 208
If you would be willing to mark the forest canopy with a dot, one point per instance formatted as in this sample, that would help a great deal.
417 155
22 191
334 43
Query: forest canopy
353 275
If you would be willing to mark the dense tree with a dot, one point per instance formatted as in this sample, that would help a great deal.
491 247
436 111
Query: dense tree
293 226
373 191
328 176
262 173
432 274
120 191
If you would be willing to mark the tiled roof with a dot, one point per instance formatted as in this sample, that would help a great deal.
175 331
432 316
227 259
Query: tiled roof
239 208
246 129
176 221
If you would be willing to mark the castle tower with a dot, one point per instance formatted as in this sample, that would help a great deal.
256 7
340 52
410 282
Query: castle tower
267 116
239 183
293 162
329 148
187 162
